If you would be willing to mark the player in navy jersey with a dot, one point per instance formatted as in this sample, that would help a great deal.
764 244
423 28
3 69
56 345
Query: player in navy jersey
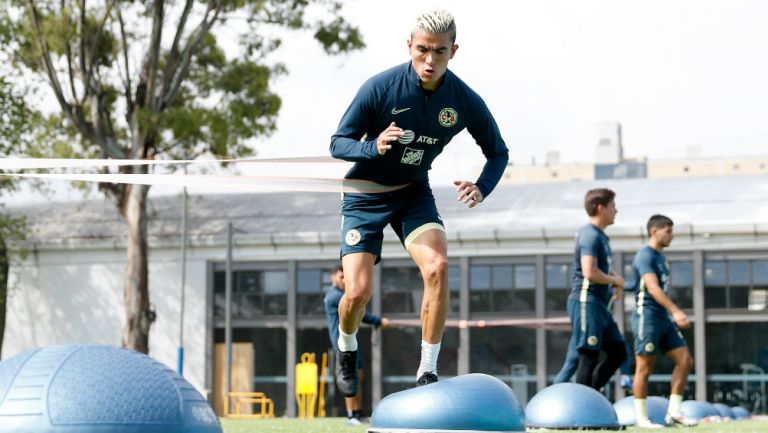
593 326
397 124
655 332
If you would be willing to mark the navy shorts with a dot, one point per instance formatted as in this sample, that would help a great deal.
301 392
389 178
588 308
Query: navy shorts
655 334
593 325
410 211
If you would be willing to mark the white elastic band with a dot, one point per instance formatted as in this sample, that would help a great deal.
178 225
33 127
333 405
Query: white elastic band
241 183
17 163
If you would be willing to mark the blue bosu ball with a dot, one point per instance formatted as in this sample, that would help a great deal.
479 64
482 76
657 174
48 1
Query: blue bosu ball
570 405
724 410
657 409
475 402
98 389
698 410
740 413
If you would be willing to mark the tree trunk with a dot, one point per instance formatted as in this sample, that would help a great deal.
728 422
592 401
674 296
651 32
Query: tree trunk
138 315
3 286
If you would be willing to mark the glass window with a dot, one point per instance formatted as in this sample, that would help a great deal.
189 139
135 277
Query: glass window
402 288
681 283
525 277
736 284
558 284
254 293
760 272
479 277
501 277
715 278
738 272
310 287
454 285
502 287
737 365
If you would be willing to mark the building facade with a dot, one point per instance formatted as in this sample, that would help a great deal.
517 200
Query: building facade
509 258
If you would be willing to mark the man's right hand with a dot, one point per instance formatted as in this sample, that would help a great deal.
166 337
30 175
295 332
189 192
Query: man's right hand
392 133
681 319
618 281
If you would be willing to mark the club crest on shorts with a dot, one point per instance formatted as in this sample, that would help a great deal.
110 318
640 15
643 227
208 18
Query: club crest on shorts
412 156
447 117
592 340
649 347
352 237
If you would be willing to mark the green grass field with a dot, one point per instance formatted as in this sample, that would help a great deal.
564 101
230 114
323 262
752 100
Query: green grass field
338 425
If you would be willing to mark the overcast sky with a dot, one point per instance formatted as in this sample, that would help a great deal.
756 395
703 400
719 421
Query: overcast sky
674 73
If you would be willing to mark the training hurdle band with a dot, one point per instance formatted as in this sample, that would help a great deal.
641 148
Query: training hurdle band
250 183
551 323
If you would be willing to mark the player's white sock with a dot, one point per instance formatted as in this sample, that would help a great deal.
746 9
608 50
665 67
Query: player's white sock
429 354
347 342
675 402
641 409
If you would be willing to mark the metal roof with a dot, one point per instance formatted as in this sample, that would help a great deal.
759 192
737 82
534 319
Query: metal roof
735 201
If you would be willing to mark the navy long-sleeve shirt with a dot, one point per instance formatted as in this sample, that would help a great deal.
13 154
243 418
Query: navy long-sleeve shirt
429 121
332 297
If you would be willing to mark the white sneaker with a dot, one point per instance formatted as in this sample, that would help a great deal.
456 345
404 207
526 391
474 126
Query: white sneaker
679 419
647 423
353 421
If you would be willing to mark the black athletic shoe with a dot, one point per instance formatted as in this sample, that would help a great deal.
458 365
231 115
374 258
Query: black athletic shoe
426 378
346 373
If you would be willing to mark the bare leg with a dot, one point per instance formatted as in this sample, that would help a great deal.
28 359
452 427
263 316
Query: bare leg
643 369
358 281
429 250
683 365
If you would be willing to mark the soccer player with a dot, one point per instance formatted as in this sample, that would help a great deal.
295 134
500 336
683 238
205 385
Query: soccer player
333 295
592 324
397 124
654 331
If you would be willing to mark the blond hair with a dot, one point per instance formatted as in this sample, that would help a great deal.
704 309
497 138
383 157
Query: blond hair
437 21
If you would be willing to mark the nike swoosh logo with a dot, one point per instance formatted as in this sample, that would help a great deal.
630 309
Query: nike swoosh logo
396 111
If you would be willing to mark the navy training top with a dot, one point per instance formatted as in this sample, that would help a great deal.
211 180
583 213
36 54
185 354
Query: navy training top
332 297
650 261
591 241
429 121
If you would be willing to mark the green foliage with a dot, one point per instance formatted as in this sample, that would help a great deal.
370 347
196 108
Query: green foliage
222 100
17 126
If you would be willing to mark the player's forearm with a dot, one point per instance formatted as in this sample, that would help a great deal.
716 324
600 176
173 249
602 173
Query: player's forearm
662 299
492 171
600 277
348 149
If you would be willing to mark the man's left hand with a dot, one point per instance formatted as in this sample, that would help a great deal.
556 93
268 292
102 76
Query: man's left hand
468 192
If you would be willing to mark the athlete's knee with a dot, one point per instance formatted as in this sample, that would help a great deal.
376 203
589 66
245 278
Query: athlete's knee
686 361
435 269
357 294
643 369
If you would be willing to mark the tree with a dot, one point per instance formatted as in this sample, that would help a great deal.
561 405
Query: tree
149 79
16 125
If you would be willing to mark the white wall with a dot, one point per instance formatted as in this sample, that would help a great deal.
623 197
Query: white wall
68 296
